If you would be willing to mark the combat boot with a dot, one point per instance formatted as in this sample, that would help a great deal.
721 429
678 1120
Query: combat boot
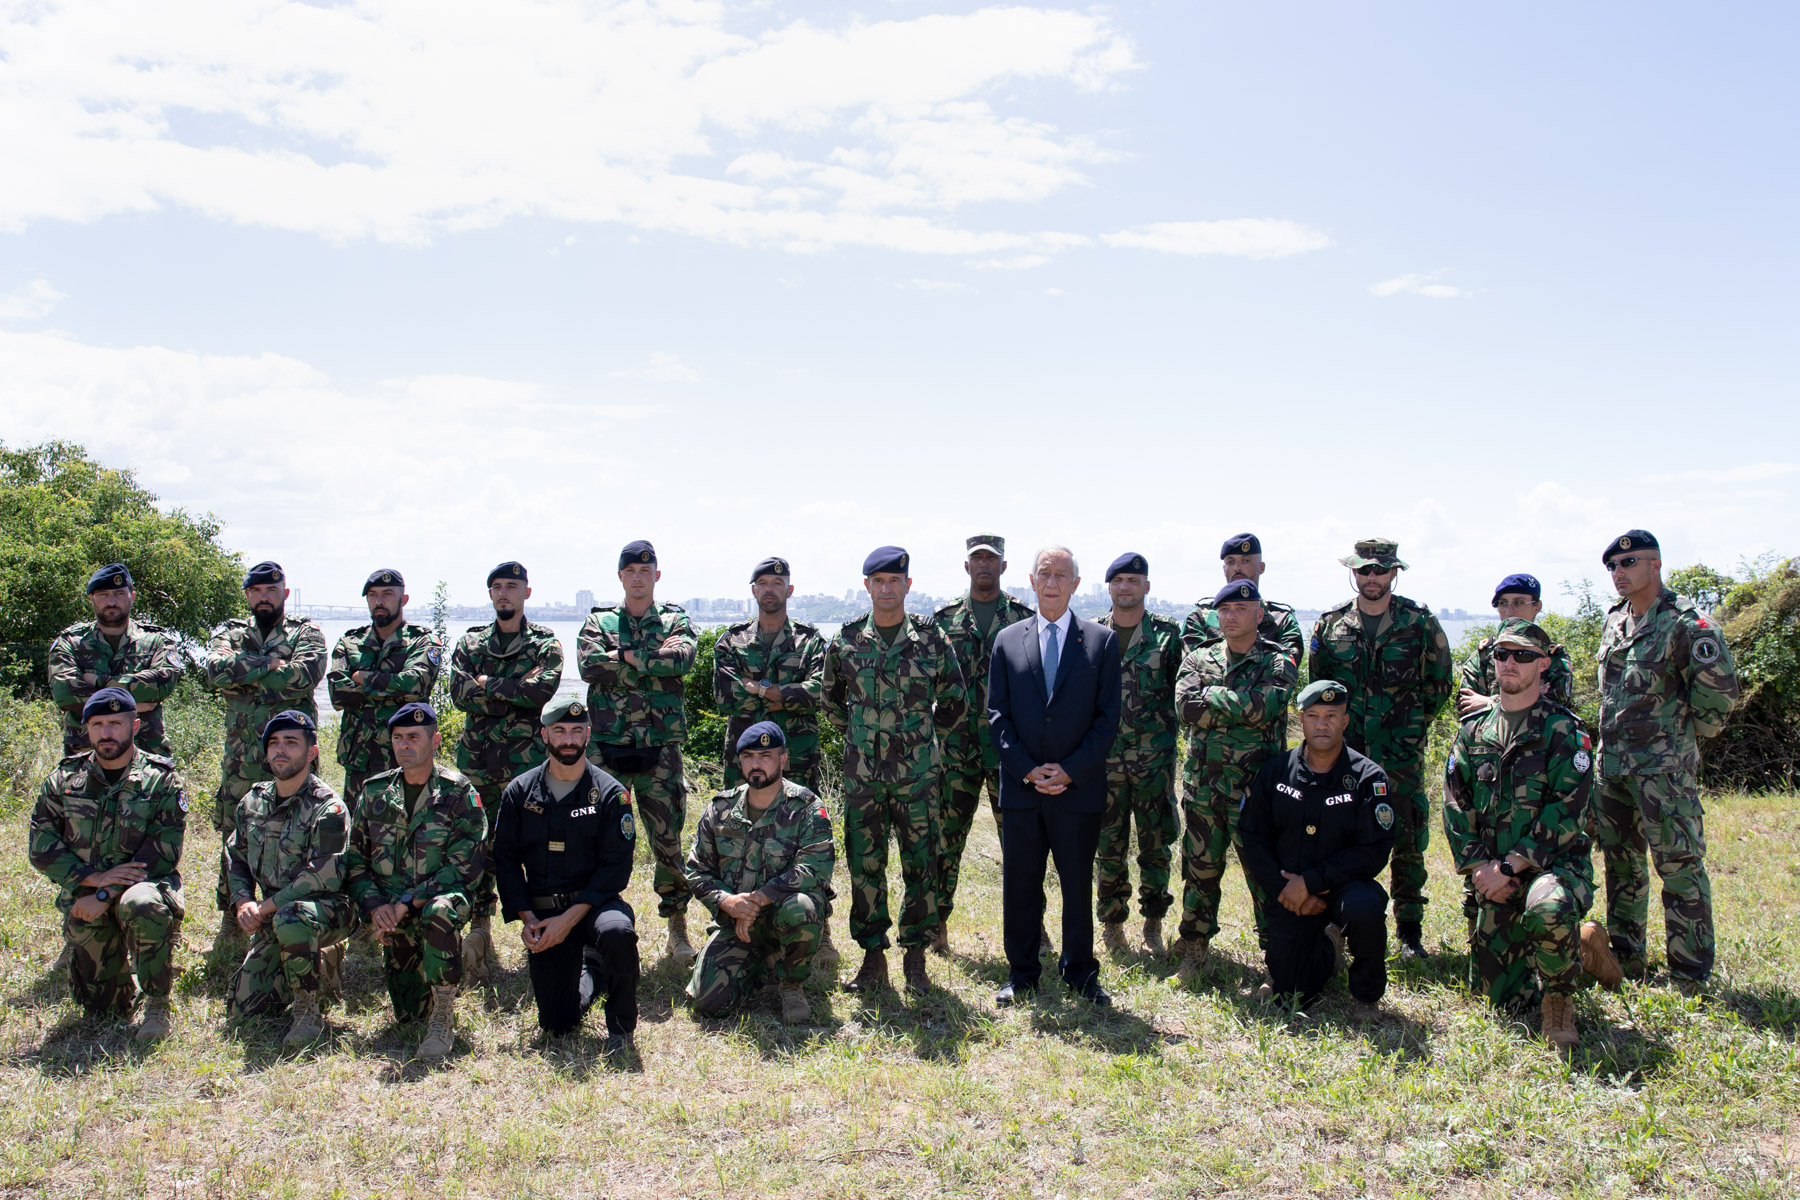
308 1026
796 1009
1336 936
1191 953
679 949
826 957
331 973
1153 939
1112 936
478 951
1597 956
229 931
940 940
1364 1012
912 968
873 973
1411 938
1559 1022
63 959
440 1023
157 1023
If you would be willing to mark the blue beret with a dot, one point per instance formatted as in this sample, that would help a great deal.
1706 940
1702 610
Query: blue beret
770 566
106 701
416 713
639 551
1129 563
1238 589
1524 585
887 558
761 735
113 575
508 570
264 572
290 719
1240 543
1632 539
1322 691
386 577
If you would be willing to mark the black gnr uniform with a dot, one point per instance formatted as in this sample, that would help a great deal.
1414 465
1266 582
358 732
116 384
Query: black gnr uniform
1335 830
550 855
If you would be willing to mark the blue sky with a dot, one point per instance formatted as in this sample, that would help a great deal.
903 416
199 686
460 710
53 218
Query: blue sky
433 286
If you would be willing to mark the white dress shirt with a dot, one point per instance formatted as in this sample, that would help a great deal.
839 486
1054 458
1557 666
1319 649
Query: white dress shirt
1063 624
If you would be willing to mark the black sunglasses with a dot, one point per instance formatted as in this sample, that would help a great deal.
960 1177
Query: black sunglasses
1506 654
1365 571
1623 564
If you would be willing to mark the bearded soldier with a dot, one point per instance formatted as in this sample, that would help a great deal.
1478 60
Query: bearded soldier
377 669
113 650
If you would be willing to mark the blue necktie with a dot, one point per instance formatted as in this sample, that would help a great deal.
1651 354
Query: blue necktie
1051 658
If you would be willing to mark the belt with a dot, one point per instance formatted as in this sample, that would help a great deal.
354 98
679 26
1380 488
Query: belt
559 900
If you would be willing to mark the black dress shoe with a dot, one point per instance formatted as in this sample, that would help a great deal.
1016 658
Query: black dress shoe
1096 994
1006 996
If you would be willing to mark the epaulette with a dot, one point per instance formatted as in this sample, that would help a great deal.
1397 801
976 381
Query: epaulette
671 608
806 625
1277 606
75 757
856 621
741 625
358 631
164 761
380 775
230 623
78 630
1405 602
451 773
1342 608
1204 602
603 608
947 606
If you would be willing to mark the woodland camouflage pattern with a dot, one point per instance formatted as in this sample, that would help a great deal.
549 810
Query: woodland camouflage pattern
145 664
1279 625
1478 674
500 739
1528 798
400 670
794 664
628 706
1140 774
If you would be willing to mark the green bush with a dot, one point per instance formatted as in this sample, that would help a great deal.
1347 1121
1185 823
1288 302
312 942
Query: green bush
706 727
1759 747
30 744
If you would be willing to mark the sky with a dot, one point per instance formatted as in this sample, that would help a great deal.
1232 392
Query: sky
438 285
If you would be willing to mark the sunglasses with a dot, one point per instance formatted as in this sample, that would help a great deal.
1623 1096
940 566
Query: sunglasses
1623 564
1505 654
1367 571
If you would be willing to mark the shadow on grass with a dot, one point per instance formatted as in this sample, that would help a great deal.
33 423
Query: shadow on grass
79 1043
1763 1006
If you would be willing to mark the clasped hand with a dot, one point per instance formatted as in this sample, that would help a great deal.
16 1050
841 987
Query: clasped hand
1491 884
251 916
387 918
1049 779
91 907
1297 899
744 908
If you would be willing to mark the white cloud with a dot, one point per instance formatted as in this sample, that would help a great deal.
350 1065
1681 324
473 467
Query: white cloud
1017 262
29 302
662 368
1419 285
1247 237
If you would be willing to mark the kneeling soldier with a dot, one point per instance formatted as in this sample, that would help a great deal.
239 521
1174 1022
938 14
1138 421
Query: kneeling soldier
562 856
288 839
416 851
761 863
1317 829
107 829
1515 813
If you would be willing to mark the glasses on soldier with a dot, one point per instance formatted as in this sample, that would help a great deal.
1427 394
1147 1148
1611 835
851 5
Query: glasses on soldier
1366 571
1506 654
1623 563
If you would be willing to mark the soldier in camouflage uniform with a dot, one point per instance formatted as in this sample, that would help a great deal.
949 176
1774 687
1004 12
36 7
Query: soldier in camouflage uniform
1232 695
1666 680
1393 656
288 842
634 657
376 669
768 670
107 830
970 760
892 685
259 665
113 650
1241 558
1140 770
1518 598
1515 816
418 839
761 863
501 674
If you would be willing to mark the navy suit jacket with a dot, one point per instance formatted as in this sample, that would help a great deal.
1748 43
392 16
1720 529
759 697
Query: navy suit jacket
1074 727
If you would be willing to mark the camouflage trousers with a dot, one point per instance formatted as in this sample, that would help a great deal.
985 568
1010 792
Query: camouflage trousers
1412 827
234 784
660 798
909 810
1150 803
284 955
783 939
1210 804
956 817
1661 813
1529 945
137 936
425 952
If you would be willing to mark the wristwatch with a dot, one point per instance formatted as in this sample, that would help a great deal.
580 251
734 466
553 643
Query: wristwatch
102 895
1507 870
407 899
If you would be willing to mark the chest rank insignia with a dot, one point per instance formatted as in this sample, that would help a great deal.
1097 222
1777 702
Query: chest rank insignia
557 847
1348 783
1311 829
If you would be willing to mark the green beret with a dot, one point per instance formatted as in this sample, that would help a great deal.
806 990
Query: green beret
566 712
1322 691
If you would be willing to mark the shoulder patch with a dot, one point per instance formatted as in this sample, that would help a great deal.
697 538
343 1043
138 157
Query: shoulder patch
1384 815
1706 649
1583 760
628 826
1379 787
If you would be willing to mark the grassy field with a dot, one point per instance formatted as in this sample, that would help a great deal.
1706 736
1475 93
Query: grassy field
1178 1091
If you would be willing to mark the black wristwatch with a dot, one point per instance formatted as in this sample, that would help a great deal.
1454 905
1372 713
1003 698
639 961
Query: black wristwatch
1507 870
102 895
407 899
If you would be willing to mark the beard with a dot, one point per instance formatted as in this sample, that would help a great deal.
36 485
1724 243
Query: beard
505 612
1513 687
267 615
111 617
1374 589
770 604
759 778
380 615
287 768
568 756
109 749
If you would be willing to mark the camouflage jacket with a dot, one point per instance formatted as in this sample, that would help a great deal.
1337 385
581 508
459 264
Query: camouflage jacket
793 663
259 676
1397 685
291 849
1236 712
145 664
1148 731
628 706
1279 625
1478 674
81 826
785 851
1665 681
500 739
398 671
438 850
970 742
892 701
1529 798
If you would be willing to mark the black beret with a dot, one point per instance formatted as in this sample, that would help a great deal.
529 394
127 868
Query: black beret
1521 585
761 735
416 713
290 719
508 570
1240 543
1634 539
566 712
264 572
639 551
108 700
1238 589
1129 563
771 566
386 577
887 558
114 575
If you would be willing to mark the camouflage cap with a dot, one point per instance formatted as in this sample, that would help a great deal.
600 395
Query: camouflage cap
264 572
764 735
993 543
566 712
113 575
107 701
416 713
1632 539
1527 635
1375 552
1322 691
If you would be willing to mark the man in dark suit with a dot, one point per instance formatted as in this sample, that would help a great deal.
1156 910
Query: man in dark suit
1053 707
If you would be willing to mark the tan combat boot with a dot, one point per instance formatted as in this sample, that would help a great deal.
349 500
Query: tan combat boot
229 931
679 949
1153 939
478 952
796 1009
1559 1022
440 1023
157 1023
912 969
940 940
1191 953
331 973
873 973
1112 936
826 957
1597 956
308 1026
